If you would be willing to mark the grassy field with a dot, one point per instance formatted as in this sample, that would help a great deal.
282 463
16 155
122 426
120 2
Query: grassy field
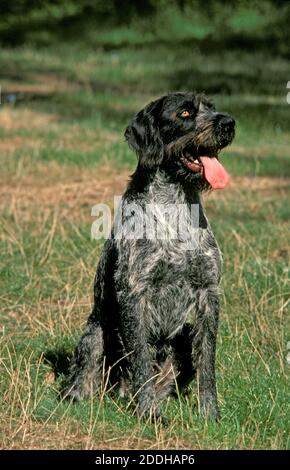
62 150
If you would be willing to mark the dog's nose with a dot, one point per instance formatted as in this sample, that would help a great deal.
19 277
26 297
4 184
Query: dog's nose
227 121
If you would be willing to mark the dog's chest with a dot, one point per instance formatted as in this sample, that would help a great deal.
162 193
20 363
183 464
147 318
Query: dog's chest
174 258
174 274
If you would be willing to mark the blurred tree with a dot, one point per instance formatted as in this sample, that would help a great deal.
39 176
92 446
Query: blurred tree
42 21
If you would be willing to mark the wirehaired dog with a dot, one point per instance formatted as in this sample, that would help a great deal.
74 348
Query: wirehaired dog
156 305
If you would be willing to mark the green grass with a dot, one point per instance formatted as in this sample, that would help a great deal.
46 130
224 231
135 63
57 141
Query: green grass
61 151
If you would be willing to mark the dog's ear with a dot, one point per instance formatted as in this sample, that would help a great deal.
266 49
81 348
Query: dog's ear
143 135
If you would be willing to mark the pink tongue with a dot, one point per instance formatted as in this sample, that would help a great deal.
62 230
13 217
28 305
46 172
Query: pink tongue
214 172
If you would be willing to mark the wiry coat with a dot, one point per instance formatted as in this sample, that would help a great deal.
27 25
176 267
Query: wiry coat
155 315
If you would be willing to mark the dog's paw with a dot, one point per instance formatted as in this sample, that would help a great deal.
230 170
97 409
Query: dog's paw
153 416
209 410
162 420
72 393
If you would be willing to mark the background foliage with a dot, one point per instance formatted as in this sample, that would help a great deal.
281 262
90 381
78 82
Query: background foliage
47 21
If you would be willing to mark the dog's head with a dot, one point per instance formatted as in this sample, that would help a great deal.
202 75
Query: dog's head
182 133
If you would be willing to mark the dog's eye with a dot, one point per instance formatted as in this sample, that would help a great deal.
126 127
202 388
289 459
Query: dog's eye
185 114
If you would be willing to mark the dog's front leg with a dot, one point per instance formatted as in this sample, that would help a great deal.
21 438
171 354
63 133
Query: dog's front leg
139 362
205 343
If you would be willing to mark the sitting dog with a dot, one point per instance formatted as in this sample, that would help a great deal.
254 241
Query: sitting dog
156 305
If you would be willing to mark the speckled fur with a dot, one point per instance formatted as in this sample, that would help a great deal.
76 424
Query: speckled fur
155 316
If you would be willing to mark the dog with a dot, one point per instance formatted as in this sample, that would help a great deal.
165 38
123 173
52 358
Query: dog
156 299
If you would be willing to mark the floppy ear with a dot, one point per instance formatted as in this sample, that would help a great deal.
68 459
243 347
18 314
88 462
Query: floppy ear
143 135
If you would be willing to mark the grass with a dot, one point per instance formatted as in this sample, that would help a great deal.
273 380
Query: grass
62 117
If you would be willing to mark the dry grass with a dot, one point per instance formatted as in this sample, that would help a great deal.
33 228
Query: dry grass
39 83
19 119
72 195
75 190
10 145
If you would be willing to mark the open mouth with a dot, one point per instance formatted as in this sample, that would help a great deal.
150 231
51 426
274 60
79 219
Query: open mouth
209 167
193 163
